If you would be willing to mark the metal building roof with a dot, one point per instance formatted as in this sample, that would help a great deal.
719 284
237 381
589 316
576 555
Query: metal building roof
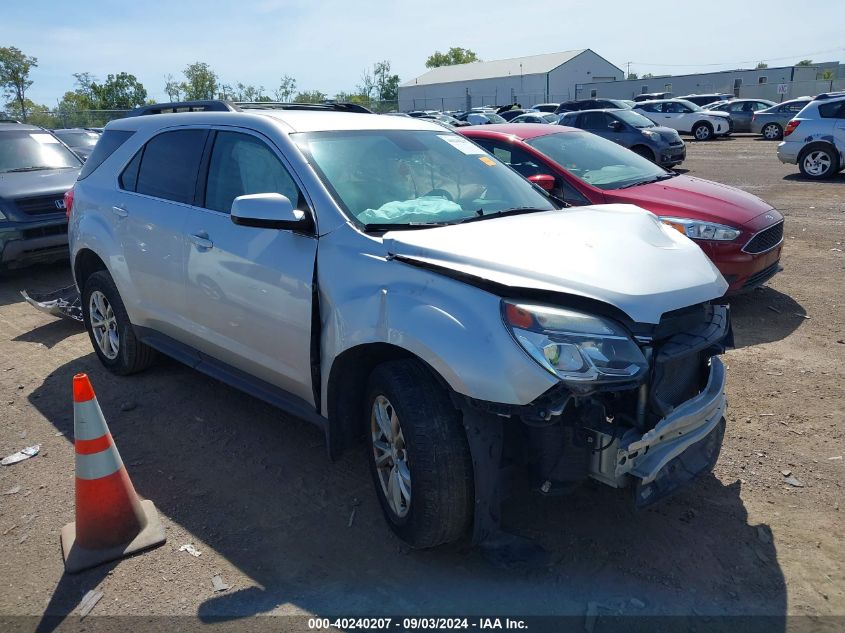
531 65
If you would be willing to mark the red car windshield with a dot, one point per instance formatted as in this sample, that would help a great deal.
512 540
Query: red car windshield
597 161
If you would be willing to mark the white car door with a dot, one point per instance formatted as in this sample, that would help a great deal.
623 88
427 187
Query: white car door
250 289
677 116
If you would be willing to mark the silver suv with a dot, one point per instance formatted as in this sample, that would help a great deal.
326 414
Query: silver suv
815 138
388 279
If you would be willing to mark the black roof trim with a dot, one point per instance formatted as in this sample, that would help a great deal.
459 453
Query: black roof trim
830 95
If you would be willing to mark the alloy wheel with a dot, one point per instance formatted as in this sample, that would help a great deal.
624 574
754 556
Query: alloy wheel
771 132
391 456
817 163
104 324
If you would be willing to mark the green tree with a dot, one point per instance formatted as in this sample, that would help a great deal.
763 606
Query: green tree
805 62
633 76
286 89
827 75
119 92
350 97
310 96
14 77
455 55
648 76
200 82
172 88
387 85
762 66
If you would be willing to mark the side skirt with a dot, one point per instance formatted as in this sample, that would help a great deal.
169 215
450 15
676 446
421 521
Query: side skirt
232 376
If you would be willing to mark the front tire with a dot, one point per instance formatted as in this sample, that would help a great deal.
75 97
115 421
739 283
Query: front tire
702 131
109 328
818 162
772 132
418 454
645 152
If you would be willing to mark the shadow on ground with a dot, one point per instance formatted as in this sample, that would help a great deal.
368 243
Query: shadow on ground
836 179
764 315
258 489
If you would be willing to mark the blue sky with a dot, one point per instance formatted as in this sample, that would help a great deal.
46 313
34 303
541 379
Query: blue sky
325 44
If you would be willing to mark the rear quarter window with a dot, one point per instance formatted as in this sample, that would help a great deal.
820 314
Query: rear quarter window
105 147
832 110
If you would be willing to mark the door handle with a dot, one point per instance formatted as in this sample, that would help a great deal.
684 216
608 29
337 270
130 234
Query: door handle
202 241
119 211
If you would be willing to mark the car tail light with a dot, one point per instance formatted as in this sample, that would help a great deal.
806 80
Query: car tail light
68 202
790 128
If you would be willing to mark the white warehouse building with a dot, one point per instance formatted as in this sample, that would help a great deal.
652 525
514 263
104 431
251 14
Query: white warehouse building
551 77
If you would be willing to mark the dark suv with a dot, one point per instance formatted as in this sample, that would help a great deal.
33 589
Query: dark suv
592 104
36 169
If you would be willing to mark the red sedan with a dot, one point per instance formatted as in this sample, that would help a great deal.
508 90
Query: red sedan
741 234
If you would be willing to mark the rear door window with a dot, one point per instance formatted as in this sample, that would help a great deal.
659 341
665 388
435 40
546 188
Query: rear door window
242 164
595 121
170 164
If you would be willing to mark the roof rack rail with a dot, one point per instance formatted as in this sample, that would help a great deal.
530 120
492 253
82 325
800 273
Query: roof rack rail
9 121
207 105
830 95
220 105
334 106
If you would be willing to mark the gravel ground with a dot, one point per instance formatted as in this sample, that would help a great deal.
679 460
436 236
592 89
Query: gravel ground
255 493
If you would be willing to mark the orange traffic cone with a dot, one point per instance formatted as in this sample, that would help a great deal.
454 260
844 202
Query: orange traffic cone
111 521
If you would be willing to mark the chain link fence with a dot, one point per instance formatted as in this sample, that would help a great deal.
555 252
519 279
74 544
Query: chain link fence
57 119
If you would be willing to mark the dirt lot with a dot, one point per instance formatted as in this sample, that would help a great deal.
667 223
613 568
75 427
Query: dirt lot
257 496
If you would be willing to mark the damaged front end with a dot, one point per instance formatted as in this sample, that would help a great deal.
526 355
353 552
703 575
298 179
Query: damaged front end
652 420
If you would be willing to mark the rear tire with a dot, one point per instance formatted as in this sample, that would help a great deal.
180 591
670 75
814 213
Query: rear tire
772 132
702 131
109 328
645 152
818 162
428 500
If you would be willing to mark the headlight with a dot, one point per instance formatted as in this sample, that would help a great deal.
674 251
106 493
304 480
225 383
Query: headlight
572 345
698 230
654 136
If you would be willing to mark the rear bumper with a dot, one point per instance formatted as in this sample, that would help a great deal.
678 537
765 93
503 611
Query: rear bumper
31 243
690 436
788 151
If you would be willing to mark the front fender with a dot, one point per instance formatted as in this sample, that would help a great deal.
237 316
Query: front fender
454 327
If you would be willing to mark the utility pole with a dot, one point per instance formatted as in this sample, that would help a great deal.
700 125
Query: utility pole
628 74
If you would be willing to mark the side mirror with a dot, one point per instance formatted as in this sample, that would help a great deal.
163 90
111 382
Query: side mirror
544 181
616 126
268 211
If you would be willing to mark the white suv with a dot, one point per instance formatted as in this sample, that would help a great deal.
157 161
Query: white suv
815 138
386 278
686 117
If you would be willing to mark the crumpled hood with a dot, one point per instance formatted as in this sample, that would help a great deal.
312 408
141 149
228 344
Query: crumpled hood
688 196
618 254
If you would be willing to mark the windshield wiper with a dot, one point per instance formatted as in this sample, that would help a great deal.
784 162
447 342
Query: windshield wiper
649 180
31 168
503 213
